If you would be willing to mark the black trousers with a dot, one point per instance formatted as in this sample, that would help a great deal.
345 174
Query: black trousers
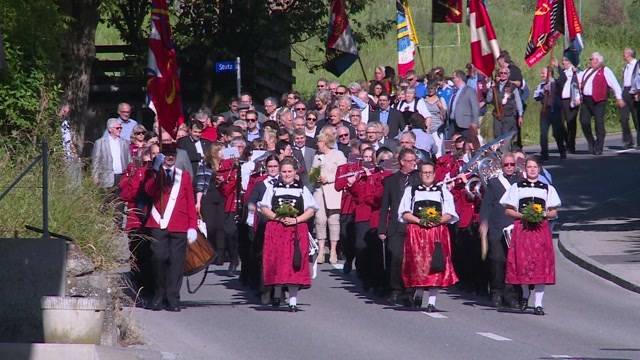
231 235
168 253
244 252
591 109
467 259
503 126
497 256
395 252
142 272
553 120
255 257
570 119
348 236
369 257
631 108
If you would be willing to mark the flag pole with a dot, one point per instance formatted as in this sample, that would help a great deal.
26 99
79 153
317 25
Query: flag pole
433 39
414 34
362 68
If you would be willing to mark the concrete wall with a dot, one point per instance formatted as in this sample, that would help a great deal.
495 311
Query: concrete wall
29 269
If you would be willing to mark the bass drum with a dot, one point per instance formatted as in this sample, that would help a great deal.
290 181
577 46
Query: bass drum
199 255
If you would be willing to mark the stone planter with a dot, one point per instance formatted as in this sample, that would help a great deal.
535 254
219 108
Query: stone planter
72 320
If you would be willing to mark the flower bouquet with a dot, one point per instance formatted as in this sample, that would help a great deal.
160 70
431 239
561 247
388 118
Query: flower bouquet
533 214
429 216
286 210
314 176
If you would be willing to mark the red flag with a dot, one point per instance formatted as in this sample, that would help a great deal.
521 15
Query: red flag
163 86
548 25
484 44
342 50
446 11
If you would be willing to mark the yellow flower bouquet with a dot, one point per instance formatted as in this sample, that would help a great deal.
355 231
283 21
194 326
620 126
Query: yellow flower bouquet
429 215
533 213
286 210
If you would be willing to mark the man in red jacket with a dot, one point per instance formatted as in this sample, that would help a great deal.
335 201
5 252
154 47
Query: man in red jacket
172 222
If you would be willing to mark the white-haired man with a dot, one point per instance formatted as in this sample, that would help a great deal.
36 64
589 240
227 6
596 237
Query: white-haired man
595 82
630 76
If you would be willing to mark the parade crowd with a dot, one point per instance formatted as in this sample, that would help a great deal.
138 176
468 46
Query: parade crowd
388 177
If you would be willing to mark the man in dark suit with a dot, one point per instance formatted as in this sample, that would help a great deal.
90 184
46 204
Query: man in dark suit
390 230
194 145
464 110
492 220
335 120
301 143
388 116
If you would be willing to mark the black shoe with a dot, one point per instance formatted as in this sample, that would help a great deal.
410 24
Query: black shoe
173 308
431 308
597 152
233 266
393 297
156 304
417 302
496 300
346 269
293 308
523 304
538 310
218 260
275 302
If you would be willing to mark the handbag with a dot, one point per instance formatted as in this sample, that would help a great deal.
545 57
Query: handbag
437 259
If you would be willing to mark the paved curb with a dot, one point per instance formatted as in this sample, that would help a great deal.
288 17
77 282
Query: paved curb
590 265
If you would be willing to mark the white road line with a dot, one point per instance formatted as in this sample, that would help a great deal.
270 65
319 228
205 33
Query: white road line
435 315
338 266
493 336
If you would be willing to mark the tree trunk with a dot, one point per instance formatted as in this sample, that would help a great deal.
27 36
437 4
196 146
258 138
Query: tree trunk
80 52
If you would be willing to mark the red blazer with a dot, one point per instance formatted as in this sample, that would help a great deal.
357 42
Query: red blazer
132 193
254 180
228 186
367 192
184 213
347 204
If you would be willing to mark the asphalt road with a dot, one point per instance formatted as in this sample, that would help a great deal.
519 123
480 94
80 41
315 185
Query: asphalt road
587 317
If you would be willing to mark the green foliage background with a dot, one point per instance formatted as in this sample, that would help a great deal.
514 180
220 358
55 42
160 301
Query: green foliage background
609 27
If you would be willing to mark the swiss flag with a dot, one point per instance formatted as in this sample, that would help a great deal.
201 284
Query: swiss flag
484 44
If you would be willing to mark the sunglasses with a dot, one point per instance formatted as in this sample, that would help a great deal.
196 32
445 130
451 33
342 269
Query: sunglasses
311 119
340 93
252 120
300 109
343 135
509 164
138 132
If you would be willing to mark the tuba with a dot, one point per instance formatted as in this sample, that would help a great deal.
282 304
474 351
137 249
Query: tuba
484 167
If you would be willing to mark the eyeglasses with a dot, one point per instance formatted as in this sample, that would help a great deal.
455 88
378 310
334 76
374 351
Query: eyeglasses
301 109
252 120
509 164
343 135
311 119
355 115
117 127
427 172
340 92
138 132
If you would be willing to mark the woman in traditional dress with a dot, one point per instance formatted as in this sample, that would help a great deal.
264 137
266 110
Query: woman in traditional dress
286 240
423 236
530 258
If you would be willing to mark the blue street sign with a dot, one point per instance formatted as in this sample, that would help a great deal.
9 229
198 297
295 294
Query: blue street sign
225 66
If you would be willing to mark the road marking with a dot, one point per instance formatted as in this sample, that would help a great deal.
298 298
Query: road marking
435 315
625 151
493 336
338 266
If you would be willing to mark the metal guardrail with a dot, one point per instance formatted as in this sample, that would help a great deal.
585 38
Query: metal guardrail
44 156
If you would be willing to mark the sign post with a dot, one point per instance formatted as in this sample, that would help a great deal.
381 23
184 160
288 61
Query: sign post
230 66
238 77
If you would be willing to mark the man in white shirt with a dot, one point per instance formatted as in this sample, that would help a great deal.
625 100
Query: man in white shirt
595 83
632 107
110 156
